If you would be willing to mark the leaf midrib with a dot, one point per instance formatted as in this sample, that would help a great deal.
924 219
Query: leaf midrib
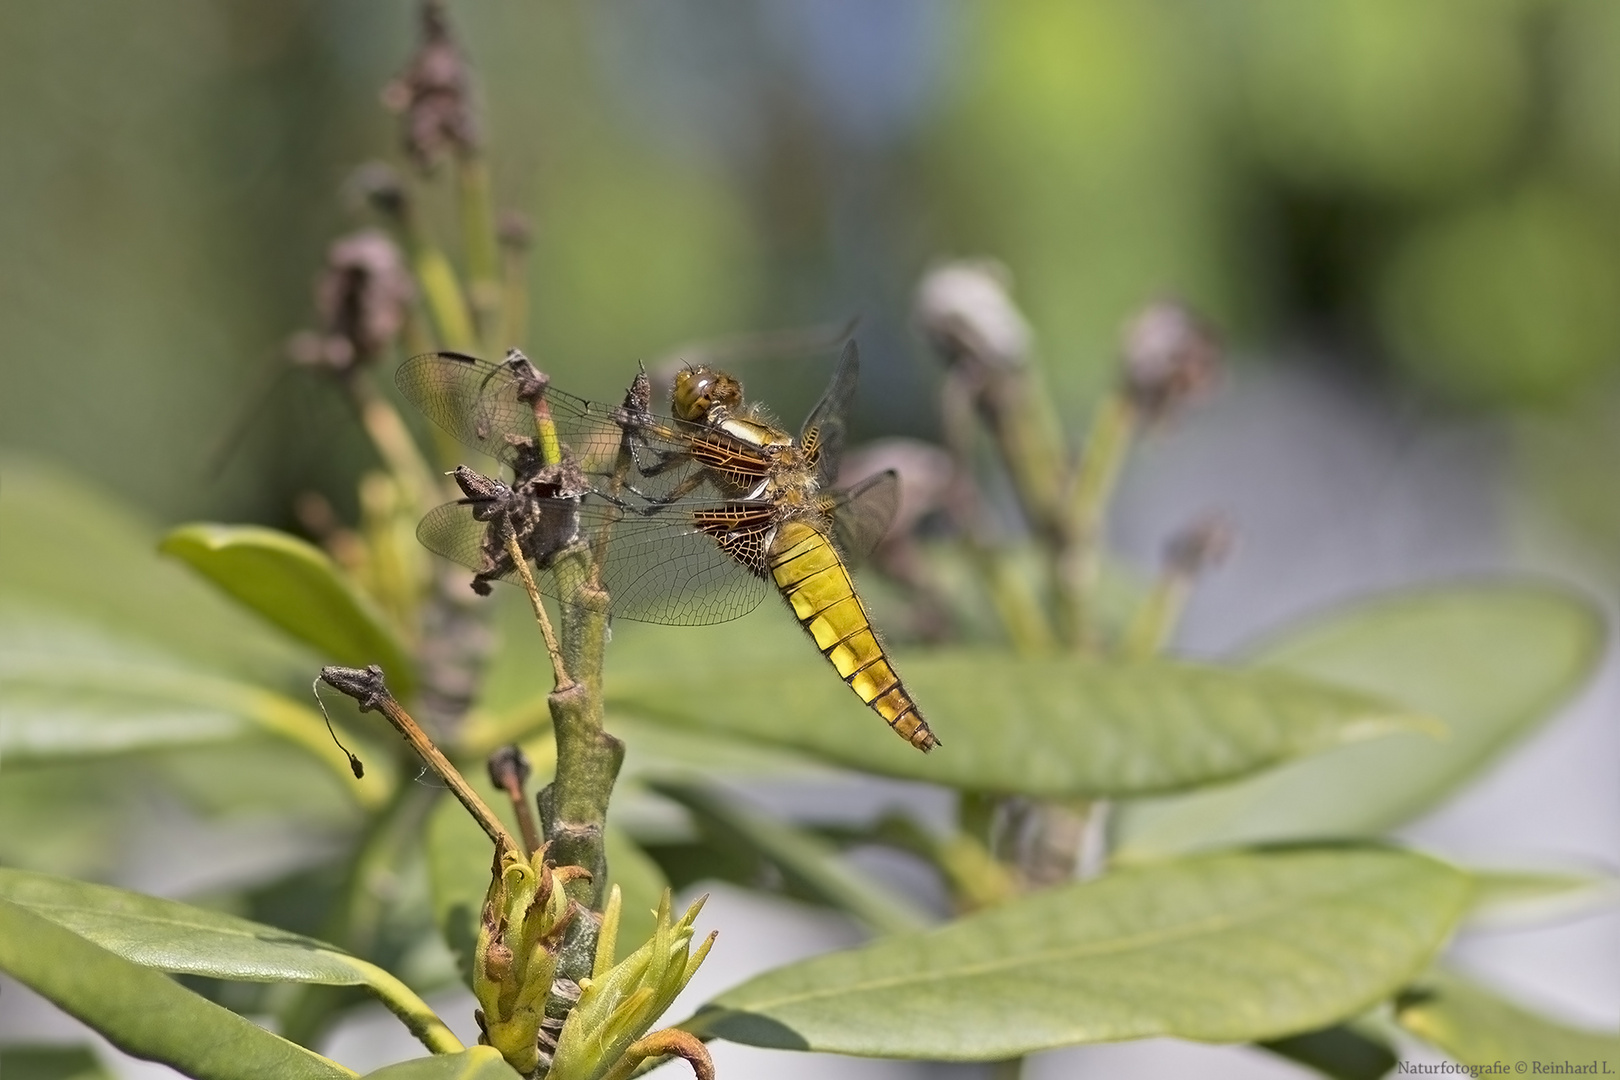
996 966
308 945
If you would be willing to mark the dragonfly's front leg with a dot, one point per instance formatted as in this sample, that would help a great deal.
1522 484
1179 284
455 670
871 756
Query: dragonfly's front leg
653 504
679 491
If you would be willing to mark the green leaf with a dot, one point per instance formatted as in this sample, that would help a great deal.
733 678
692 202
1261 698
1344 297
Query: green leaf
143 1012
1221 948
73 552
73 689
51 1063
47 822
460 860
1472 1025
808 863
1490 661
1509 898
1052 726
297 587
476 1063
1338 1052
176 937
107 649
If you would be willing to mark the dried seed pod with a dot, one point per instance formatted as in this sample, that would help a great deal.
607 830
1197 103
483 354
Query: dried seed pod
432 95
360 302
1199 547
965 311
514 230
1169 356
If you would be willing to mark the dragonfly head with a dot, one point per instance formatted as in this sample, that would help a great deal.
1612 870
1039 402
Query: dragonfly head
699 390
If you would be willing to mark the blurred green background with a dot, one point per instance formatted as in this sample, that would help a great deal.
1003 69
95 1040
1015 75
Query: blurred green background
1426 194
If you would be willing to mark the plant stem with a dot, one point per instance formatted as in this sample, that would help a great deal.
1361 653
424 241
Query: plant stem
1076 560
393 442
514 330
483 264
366 686
437 279
976 816
1011 1069
559 670
1156 620
573 807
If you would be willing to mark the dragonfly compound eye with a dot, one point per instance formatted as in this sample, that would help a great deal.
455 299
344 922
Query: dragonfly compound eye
698 390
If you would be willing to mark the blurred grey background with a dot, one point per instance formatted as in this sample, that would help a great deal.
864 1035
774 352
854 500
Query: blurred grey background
1404 218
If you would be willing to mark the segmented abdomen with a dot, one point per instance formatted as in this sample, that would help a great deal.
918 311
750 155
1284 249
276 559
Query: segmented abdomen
812 577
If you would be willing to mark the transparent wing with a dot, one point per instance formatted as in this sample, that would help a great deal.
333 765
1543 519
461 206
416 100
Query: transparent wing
660 566
501 410
862 515
825 427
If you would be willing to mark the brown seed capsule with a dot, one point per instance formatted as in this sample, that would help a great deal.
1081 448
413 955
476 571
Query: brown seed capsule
360 302
431 95
513 230
1170 356
1199 547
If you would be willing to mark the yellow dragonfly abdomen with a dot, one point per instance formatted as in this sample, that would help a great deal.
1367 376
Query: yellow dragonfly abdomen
812 577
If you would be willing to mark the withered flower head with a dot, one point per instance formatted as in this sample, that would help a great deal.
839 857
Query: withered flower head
432 95
1170 356
360 302
514 230
965 311
1201 546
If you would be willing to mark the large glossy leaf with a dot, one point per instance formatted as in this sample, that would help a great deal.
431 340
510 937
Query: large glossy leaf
73 689
47 822
72 551
51 1063
1223 948
477 1063
105 648
297 587
460 860
1339 1052
809 864
1048 726
1491 661
1473 1026
1505 899
144 1012
176 937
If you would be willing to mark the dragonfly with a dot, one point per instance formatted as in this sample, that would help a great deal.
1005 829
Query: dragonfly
692 518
